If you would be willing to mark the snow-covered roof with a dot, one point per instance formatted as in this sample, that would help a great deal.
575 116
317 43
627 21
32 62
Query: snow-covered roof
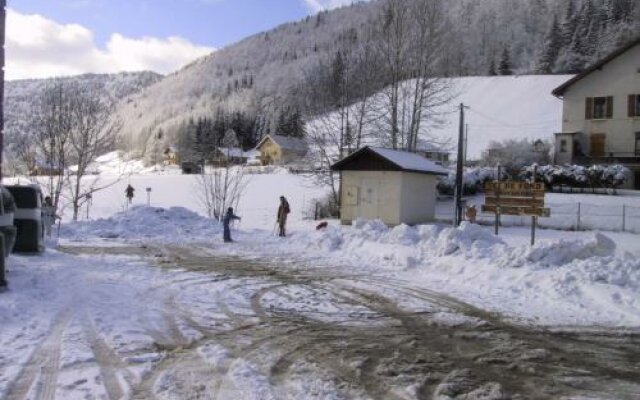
431 147
286 142
401 160
232 152
253 153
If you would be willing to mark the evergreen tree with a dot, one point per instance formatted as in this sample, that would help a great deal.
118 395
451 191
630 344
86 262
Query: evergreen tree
492 67
552 46
505 67
569 24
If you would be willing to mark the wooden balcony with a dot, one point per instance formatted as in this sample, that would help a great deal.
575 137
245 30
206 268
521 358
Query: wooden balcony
624 158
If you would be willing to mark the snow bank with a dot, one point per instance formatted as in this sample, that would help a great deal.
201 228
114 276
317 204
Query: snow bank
174 224
582 281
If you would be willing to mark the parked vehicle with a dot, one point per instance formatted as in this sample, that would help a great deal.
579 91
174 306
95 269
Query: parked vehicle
28 218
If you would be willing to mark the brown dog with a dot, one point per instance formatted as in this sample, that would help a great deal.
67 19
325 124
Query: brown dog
322 225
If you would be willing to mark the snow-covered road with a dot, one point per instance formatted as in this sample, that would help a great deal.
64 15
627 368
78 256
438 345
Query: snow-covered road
117 320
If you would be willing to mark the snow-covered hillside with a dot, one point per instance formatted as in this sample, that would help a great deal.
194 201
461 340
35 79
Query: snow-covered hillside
498 108
505 107
22 95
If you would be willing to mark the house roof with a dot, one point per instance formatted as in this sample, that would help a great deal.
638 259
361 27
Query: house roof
561 90
286 142
382 159
235 152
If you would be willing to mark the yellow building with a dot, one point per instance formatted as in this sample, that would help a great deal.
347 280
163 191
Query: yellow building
279 150
394 186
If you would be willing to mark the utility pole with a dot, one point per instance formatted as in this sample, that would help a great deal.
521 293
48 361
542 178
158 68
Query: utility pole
460 169
3 19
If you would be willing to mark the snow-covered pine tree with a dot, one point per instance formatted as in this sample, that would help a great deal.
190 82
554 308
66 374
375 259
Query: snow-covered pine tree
505 67
552 46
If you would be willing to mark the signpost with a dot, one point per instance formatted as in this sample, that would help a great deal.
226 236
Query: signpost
516 198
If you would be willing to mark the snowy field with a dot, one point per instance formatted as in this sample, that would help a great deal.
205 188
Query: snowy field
147 302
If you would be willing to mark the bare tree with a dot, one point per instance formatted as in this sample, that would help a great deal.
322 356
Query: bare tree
72 126
410 41
53 122
222 187
92 134
392 47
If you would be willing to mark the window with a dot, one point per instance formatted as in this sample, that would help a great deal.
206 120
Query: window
634 105
599 108
563 146
637 144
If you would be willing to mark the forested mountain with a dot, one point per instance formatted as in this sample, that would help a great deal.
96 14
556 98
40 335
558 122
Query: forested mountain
21 99
398 49
294 68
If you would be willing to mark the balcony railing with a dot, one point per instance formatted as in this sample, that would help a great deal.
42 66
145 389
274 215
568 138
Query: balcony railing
609 158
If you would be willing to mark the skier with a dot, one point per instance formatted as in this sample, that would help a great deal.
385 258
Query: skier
229 216
129 193
48 215
283 211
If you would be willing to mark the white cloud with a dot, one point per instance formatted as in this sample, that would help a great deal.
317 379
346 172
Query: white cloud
320 5
38 47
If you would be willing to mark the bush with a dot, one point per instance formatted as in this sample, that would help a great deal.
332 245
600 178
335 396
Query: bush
595 176
474 181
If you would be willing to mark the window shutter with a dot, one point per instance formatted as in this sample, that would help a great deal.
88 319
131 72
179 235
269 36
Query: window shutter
588 112
609 107
632 105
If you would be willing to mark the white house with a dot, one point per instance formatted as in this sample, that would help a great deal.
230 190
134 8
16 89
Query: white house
601 114
394 186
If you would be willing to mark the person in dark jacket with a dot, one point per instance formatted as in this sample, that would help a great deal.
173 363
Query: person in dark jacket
283 211
226 221
129 193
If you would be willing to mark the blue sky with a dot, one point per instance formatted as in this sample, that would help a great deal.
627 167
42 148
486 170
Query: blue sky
47 38
214 23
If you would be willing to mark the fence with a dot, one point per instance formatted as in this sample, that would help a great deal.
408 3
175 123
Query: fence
565 216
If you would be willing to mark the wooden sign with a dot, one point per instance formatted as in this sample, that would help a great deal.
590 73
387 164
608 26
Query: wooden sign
515 198
522 211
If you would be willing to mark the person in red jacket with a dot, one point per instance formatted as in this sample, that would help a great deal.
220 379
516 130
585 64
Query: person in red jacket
283 211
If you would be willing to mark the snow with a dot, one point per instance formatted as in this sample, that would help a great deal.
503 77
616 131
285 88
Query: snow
142 222
498 108
504 107
469 262
126 311
567 278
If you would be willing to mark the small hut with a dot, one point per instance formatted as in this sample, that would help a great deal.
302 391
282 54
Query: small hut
394 186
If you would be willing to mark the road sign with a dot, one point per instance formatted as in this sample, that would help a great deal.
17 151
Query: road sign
516 198
521 211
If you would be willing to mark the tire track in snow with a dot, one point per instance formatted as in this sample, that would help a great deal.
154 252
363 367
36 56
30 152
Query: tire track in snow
108 361
40 375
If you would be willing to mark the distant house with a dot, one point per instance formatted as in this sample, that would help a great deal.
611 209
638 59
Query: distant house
253 157
601 113
45 169
394 186
434 153
229 156
279 150
171 156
